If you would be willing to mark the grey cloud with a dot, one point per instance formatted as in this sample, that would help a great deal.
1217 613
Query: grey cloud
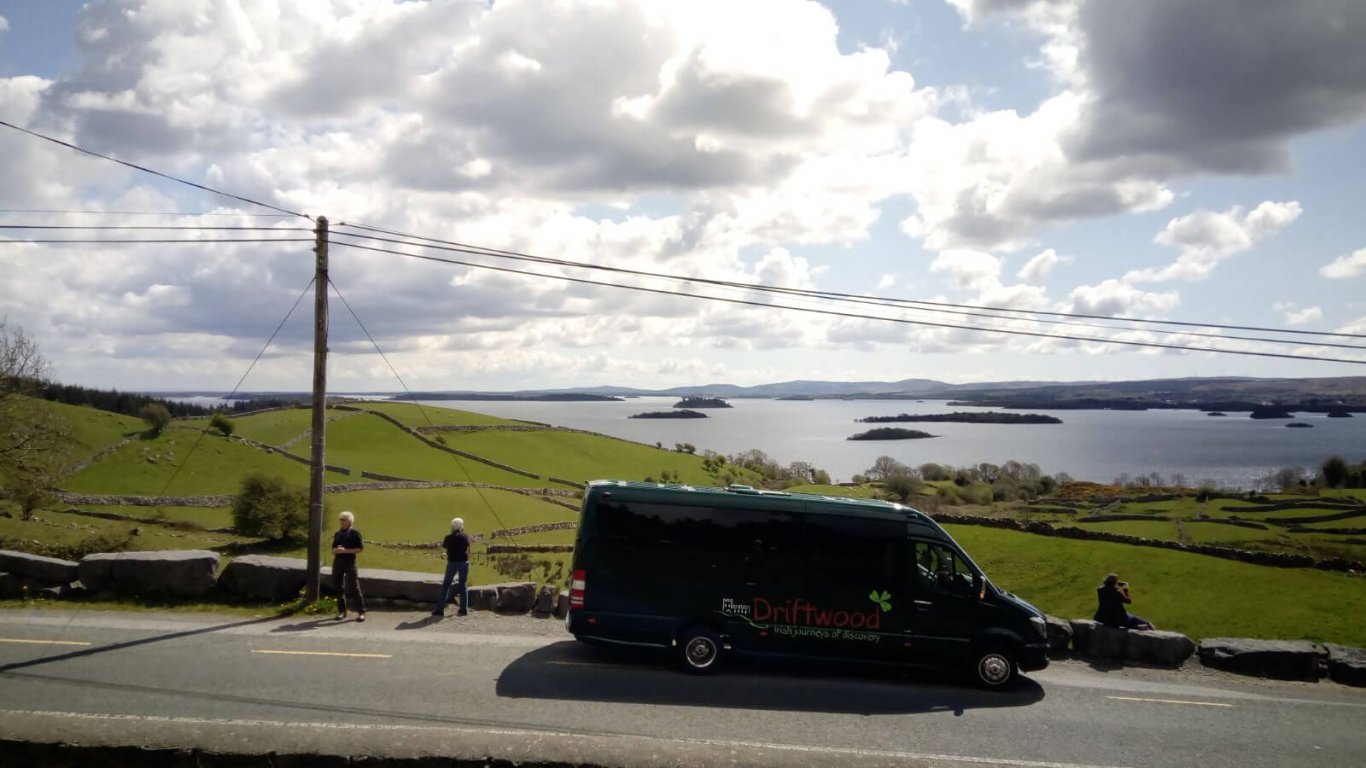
1219 84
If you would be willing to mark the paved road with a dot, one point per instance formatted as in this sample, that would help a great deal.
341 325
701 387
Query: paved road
404 685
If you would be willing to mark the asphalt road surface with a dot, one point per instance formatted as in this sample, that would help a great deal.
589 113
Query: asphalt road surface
404 685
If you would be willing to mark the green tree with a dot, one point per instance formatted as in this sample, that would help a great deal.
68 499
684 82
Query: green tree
156 415
1334 472
271 508
221 423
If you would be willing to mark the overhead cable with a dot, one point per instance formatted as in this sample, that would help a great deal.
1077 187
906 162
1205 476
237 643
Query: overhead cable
851 315
851 298
467 248
167 176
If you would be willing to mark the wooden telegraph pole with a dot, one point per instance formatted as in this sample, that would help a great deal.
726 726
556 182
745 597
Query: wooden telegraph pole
315 485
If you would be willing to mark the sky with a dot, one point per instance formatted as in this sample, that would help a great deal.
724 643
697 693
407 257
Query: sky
1188 161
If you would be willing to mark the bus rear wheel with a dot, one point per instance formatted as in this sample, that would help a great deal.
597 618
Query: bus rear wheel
993 667
699 650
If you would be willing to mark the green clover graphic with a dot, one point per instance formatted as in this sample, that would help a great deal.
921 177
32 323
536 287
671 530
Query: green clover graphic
883 600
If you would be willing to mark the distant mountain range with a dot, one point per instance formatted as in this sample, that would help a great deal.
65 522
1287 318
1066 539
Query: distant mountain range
1224 393
1344 389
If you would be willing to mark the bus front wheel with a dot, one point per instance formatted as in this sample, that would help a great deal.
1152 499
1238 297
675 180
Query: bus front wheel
699 650
993 667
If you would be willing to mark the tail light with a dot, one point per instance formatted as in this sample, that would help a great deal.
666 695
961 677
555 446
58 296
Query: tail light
576 588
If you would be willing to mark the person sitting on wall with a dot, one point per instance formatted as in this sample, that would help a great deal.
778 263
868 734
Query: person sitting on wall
1112 596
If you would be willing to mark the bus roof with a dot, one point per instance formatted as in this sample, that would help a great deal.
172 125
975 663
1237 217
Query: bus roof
762 499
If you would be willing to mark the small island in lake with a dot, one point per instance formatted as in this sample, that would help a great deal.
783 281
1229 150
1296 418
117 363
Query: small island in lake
890 433
1216 413
1300 425
1339 413
1271 412
669 415
702 402
968 418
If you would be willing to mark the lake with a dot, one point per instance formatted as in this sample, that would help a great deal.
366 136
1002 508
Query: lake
1233 450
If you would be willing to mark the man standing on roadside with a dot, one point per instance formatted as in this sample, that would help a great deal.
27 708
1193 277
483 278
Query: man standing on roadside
457 544
346 544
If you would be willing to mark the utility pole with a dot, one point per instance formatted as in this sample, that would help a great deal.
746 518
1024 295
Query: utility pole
312 584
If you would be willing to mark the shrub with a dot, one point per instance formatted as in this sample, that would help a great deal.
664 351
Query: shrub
156 415
221 423
270 508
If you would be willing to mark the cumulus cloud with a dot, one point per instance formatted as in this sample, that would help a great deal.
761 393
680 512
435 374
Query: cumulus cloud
1206 238
967 268
1302 316
1116 297
1041 265
1344 267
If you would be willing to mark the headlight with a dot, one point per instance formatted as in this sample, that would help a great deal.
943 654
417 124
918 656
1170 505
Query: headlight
1040 625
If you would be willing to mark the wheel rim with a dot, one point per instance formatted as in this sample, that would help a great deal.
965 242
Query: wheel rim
700 652
994 669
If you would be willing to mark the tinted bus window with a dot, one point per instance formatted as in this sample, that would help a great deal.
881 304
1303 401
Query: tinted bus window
699 544
856 552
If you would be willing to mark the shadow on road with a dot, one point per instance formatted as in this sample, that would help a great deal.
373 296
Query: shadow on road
571 670
130 644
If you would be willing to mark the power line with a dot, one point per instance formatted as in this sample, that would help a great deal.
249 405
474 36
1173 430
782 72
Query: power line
167 176
185 462
481 250
49 241
479 491
101 227
850 298
147 213
851 315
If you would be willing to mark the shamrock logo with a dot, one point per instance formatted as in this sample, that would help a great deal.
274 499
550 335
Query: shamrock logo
883 600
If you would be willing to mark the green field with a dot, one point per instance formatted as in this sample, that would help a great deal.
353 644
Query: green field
419 416
368 442
184 461
90 430
278 427
1196 595
582 457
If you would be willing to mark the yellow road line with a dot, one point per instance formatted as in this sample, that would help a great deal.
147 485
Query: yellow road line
41 642
329 653
1172 701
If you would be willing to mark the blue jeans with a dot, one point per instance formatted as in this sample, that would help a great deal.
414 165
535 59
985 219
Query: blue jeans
452 568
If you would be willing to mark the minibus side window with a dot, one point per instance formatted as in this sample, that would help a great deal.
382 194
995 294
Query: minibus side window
653 541
855 553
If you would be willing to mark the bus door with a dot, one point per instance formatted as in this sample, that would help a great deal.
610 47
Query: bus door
943 604
855 604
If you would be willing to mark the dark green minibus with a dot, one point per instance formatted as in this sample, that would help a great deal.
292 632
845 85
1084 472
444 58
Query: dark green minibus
711 571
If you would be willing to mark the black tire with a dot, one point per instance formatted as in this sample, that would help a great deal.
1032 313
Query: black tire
994 667
699 650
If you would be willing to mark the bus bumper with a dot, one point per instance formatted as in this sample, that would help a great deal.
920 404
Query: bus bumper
1033 657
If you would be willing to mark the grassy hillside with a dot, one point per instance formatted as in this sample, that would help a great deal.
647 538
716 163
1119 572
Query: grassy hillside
416 416
91 430
367 442
582 457
170 464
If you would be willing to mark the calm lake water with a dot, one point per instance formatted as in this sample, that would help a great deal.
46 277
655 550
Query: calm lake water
1233 450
